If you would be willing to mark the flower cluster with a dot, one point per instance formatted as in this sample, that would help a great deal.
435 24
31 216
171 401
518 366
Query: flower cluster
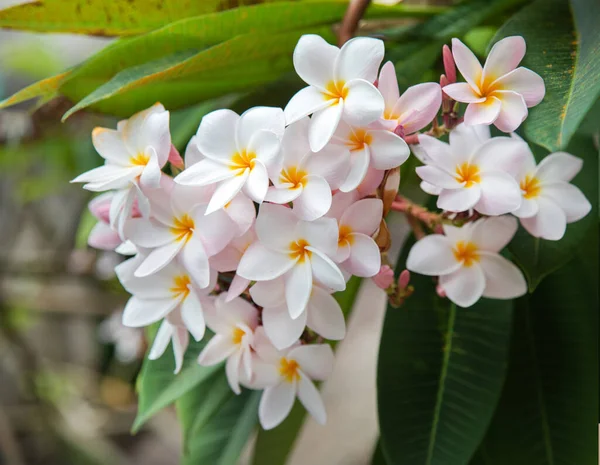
273 211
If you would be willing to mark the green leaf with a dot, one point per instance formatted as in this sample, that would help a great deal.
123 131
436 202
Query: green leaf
41 88
567 59
548 412
158 387
216 423
539 257
274 446
440 374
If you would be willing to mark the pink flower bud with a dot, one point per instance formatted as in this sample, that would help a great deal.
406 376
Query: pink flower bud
449 66
440 291
404 279
175 159
384 278
100 207
443 81
399 131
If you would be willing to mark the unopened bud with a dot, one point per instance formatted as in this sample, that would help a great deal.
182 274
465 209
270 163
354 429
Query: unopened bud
175 159
449 66
443 81
384 278
404 279
399 131
440 291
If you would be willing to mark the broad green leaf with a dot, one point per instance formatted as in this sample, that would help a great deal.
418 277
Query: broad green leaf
274 446
548 411
216 423
562 46
158 387
41 88
539 257
440 374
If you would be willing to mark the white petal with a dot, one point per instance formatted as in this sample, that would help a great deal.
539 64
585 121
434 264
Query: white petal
191 313
227 190
365 258
323 124
325 316
195 261
257 183
550 223
464 286
158 259
316 360
311 399
315 199
437 152
262 264
503 279
483 113
237 287
387 150
150 177
559 166
268 293
331 163
500 194
569 198
282 195
241 210
493 234
363 216
216 350
459 200
140 312
102 236
467 63
161 340
326 272
359 165
181 339
294 144
438 177
148 233
305 102
275 404
281 328
216 230
232 371
512 112
432 256
463 92
418 106
215 136
192 153
504 57
363 104
359 58
110 145
149 128
528 208
321 234
276 226
205 172
298 286
314 60
525 82
502 154
258 120
430 188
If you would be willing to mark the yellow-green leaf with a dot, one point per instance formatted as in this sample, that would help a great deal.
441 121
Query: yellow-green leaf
41 88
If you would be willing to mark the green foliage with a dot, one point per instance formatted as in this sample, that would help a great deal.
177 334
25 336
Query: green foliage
539 257
548 412
440 374
563 46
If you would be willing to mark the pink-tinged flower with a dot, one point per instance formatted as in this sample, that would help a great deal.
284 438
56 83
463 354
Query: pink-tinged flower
469 174
175 158
340 85
322 314
154 297
237 151
304 177
171 330
468 262
357 253
550 202
298 250
499 93
180 227
385 277
414 109
286 374
369 147
233 323
102 236
134 152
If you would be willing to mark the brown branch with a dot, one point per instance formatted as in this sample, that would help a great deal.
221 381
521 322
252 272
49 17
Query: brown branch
354 13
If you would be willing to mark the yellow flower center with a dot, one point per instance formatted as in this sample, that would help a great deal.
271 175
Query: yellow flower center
180 285
466 253
358 139
141 159
183 227
294 176
531 187
238 334
389 114
242 160
335 90
289 369
298 250
467 173
344 235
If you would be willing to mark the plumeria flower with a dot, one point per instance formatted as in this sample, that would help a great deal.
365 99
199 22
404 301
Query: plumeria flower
180 227
549 200
154 297
233 323
499 93
468 262
298 250
340 85
304 177
287 374
357 253
171 330
237 151
414 109
369 147
323 314
470 174
102 236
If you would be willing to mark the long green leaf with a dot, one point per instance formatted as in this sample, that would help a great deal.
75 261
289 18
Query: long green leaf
41 88
440 373
548 412
539 257
563 48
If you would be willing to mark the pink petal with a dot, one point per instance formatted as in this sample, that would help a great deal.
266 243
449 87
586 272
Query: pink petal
504 57
525 82
388 86
467 63
418 105
463 92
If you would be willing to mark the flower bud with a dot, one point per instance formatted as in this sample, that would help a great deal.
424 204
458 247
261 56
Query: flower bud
100 207
404 279
440 291
399 131
384 278
449 66
175 159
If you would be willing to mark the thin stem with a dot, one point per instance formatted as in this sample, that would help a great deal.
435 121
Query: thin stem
412 210
354 13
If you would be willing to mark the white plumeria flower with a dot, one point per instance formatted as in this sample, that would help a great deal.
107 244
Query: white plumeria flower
499 93
470 174
358 220
180 227
549 200
154 297
287 374
468 262
103 236
323 314
233 323
299 250
369 147
172 330
305 177
340 85
237 151
414 109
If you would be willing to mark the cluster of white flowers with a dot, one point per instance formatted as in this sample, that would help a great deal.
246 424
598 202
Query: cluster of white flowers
285 204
